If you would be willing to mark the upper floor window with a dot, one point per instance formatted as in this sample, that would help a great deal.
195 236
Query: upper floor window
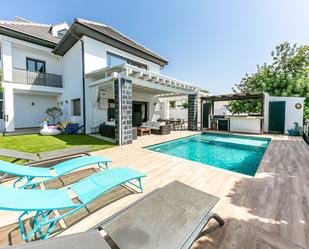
115 60
36 65
61 33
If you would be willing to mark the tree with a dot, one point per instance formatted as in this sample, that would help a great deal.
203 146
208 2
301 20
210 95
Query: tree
54 112
173 104
245 106
286 75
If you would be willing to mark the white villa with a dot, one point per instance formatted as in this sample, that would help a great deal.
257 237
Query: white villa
106 82
110 85
91 71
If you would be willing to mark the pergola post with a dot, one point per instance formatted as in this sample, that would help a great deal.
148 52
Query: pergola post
123 111
192 112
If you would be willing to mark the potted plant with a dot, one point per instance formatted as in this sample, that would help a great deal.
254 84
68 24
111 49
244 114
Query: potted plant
173 104
185 104
54 112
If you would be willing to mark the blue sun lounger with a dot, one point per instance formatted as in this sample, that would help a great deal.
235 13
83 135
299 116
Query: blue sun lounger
29 173
44 202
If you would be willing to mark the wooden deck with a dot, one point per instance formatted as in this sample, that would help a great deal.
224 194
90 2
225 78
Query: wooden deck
270 210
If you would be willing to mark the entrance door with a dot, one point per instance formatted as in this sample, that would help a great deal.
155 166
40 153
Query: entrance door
276 118
139 114
206 113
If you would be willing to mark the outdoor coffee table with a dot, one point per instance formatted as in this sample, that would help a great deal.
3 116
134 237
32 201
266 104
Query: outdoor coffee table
141 131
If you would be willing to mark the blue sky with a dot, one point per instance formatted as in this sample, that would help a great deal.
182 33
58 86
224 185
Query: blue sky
211 43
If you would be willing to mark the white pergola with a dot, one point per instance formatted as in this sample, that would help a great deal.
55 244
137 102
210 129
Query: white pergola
143 79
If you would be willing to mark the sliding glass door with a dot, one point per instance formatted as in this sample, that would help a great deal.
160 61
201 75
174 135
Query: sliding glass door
140 113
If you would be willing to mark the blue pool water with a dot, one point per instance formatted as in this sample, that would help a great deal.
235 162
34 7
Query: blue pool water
240 154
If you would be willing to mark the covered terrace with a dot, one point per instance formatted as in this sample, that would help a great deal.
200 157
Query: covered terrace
125 87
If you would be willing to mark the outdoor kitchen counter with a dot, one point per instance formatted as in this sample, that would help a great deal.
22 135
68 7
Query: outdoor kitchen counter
250 124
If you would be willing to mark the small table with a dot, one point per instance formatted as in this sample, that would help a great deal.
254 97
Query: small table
141 131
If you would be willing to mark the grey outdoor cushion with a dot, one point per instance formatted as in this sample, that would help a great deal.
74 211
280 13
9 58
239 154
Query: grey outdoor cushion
18 154
170 217
88 240
155 125
54 154
48 155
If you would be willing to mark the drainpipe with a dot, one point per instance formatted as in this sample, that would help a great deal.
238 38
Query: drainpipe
84 90
83 79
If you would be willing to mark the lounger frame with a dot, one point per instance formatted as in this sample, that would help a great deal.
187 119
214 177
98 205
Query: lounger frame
43 218
28 179
198 230
29 184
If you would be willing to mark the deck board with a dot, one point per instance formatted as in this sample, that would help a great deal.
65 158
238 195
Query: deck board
270 210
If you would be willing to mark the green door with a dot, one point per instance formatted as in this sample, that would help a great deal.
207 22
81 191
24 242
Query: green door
276 117
206 113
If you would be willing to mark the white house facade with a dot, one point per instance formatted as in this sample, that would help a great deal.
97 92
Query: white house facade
91 71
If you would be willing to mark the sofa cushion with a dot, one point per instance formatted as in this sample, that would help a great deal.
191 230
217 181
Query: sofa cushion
153 125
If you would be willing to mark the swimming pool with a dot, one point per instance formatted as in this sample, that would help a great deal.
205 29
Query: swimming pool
236 153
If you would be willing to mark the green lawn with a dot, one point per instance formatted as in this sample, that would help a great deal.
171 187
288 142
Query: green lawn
37 143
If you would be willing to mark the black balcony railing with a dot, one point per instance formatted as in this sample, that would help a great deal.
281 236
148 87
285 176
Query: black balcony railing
36 78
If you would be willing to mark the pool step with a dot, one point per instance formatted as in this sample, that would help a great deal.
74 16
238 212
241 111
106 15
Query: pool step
230 144
256 143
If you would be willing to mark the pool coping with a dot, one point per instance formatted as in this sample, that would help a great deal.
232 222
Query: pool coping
210 132
212 166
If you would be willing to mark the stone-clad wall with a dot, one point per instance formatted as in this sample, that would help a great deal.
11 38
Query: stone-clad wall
126 114
192 112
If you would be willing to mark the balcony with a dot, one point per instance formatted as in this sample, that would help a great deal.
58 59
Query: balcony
23 76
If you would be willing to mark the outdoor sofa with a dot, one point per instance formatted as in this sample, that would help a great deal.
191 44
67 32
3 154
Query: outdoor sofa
158 128
108 130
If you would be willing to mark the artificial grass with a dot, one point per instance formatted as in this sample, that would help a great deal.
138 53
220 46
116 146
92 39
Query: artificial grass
36 143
